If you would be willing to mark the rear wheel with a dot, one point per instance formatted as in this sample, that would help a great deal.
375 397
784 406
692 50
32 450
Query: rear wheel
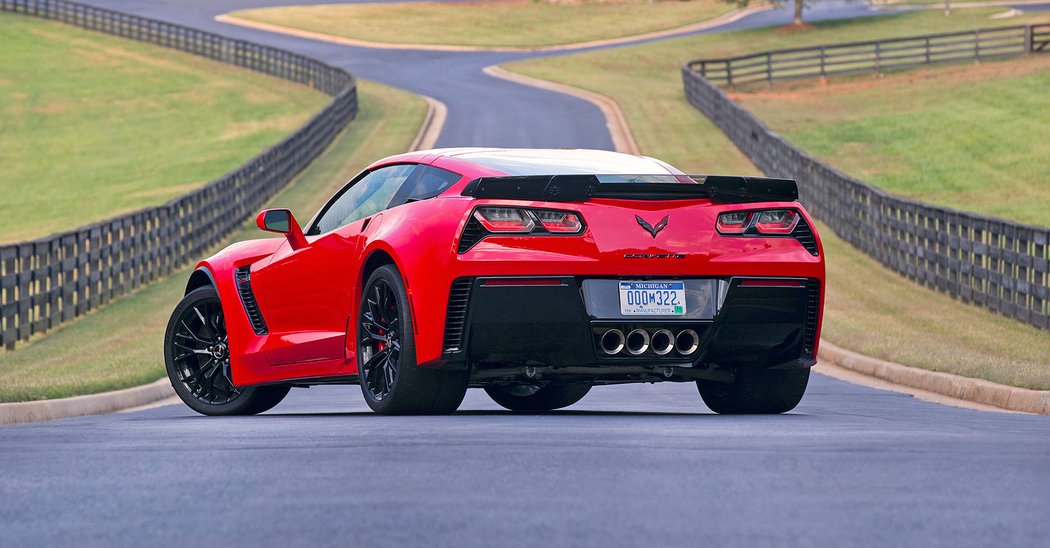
756 391
391 381
197 358
529 397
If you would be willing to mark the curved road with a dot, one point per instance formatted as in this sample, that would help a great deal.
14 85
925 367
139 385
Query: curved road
629 465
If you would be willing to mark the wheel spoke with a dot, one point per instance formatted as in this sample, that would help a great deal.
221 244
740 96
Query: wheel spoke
193 350
370 328
191 333
370 365
388 372
373 315
381 305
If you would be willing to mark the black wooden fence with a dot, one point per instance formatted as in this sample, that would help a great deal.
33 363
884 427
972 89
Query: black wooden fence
51 280
875 56
999 264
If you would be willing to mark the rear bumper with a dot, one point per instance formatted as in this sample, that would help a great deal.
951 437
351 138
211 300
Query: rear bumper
501 326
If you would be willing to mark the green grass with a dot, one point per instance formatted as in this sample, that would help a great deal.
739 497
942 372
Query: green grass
960 136
869 308
92 125
492 23
120 345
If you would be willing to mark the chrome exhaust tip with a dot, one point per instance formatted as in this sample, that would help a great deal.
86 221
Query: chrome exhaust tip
637 342
612 341
686 342
662 342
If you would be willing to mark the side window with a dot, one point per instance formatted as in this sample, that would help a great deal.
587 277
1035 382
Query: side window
425 183
369 195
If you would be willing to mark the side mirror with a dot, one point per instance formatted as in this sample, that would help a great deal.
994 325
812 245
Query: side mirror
282 221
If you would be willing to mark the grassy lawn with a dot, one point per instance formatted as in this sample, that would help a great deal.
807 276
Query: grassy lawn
120 345
960 136
869 308
493 23
88 118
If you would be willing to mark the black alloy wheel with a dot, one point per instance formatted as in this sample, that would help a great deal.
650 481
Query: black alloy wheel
202 356
391 381
197 357
380 340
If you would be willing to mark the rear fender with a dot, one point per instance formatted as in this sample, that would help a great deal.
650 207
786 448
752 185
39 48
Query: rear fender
420 238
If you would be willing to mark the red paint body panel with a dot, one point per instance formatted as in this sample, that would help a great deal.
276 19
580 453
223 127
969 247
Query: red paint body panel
310 296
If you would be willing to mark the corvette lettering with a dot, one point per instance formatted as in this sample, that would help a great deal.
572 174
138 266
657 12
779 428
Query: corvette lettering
654 256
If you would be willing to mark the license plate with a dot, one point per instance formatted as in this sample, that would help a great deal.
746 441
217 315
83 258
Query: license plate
652 298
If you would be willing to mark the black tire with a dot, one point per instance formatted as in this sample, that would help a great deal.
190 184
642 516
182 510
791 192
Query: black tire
543 398
391 381
756 391
197 361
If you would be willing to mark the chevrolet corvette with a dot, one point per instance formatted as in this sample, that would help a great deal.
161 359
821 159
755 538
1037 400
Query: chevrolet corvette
533 274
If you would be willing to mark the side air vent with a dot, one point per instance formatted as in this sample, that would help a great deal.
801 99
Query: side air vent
243 277
809 336
804 234
472 234
456 319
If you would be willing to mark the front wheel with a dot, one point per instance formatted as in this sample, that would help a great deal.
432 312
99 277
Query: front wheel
197 358
756 391
529 397
391 381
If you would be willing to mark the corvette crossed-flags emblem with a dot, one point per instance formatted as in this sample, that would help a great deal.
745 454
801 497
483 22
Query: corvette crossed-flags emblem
652 229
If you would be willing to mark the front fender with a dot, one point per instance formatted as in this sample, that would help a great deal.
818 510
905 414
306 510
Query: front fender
244 344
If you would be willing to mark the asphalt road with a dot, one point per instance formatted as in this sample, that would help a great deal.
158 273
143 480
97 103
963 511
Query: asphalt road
628 466
634 465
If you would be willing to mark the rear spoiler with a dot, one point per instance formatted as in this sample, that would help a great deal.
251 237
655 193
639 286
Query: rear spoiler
722 189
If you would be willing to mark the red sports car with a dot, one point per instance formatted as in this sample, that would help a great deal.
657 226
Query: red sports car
534 274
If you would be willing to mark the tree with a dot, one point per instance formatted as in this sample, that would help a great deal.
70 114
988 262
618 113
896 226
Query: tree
799 6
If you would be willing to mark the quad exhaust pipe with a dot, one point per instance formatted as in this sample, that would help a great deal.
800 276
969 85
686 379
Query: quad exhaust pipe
686 342
612 342
662 342
638 341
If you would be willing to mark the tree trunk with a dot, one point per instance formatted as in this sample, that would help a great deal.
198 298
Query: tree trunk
799 4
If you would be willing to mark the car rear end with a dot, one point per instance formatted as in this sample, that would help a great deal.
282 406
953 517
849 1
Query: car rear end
603 279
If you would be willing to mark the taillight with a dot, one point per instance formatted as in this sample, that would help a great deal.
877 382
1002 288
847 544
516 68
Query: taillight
769 221
558 222
519 220
777 221
734 222
505 220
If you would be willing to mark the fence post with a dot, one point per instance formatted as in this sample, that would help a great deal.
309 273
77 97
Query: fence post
1028 39
822 73
927 50
769 67
878 58
977 45
729 73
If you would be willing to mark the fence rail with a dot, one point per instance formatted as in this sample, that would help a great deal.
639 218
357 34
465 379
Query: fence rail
999 264
51 280
876 56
